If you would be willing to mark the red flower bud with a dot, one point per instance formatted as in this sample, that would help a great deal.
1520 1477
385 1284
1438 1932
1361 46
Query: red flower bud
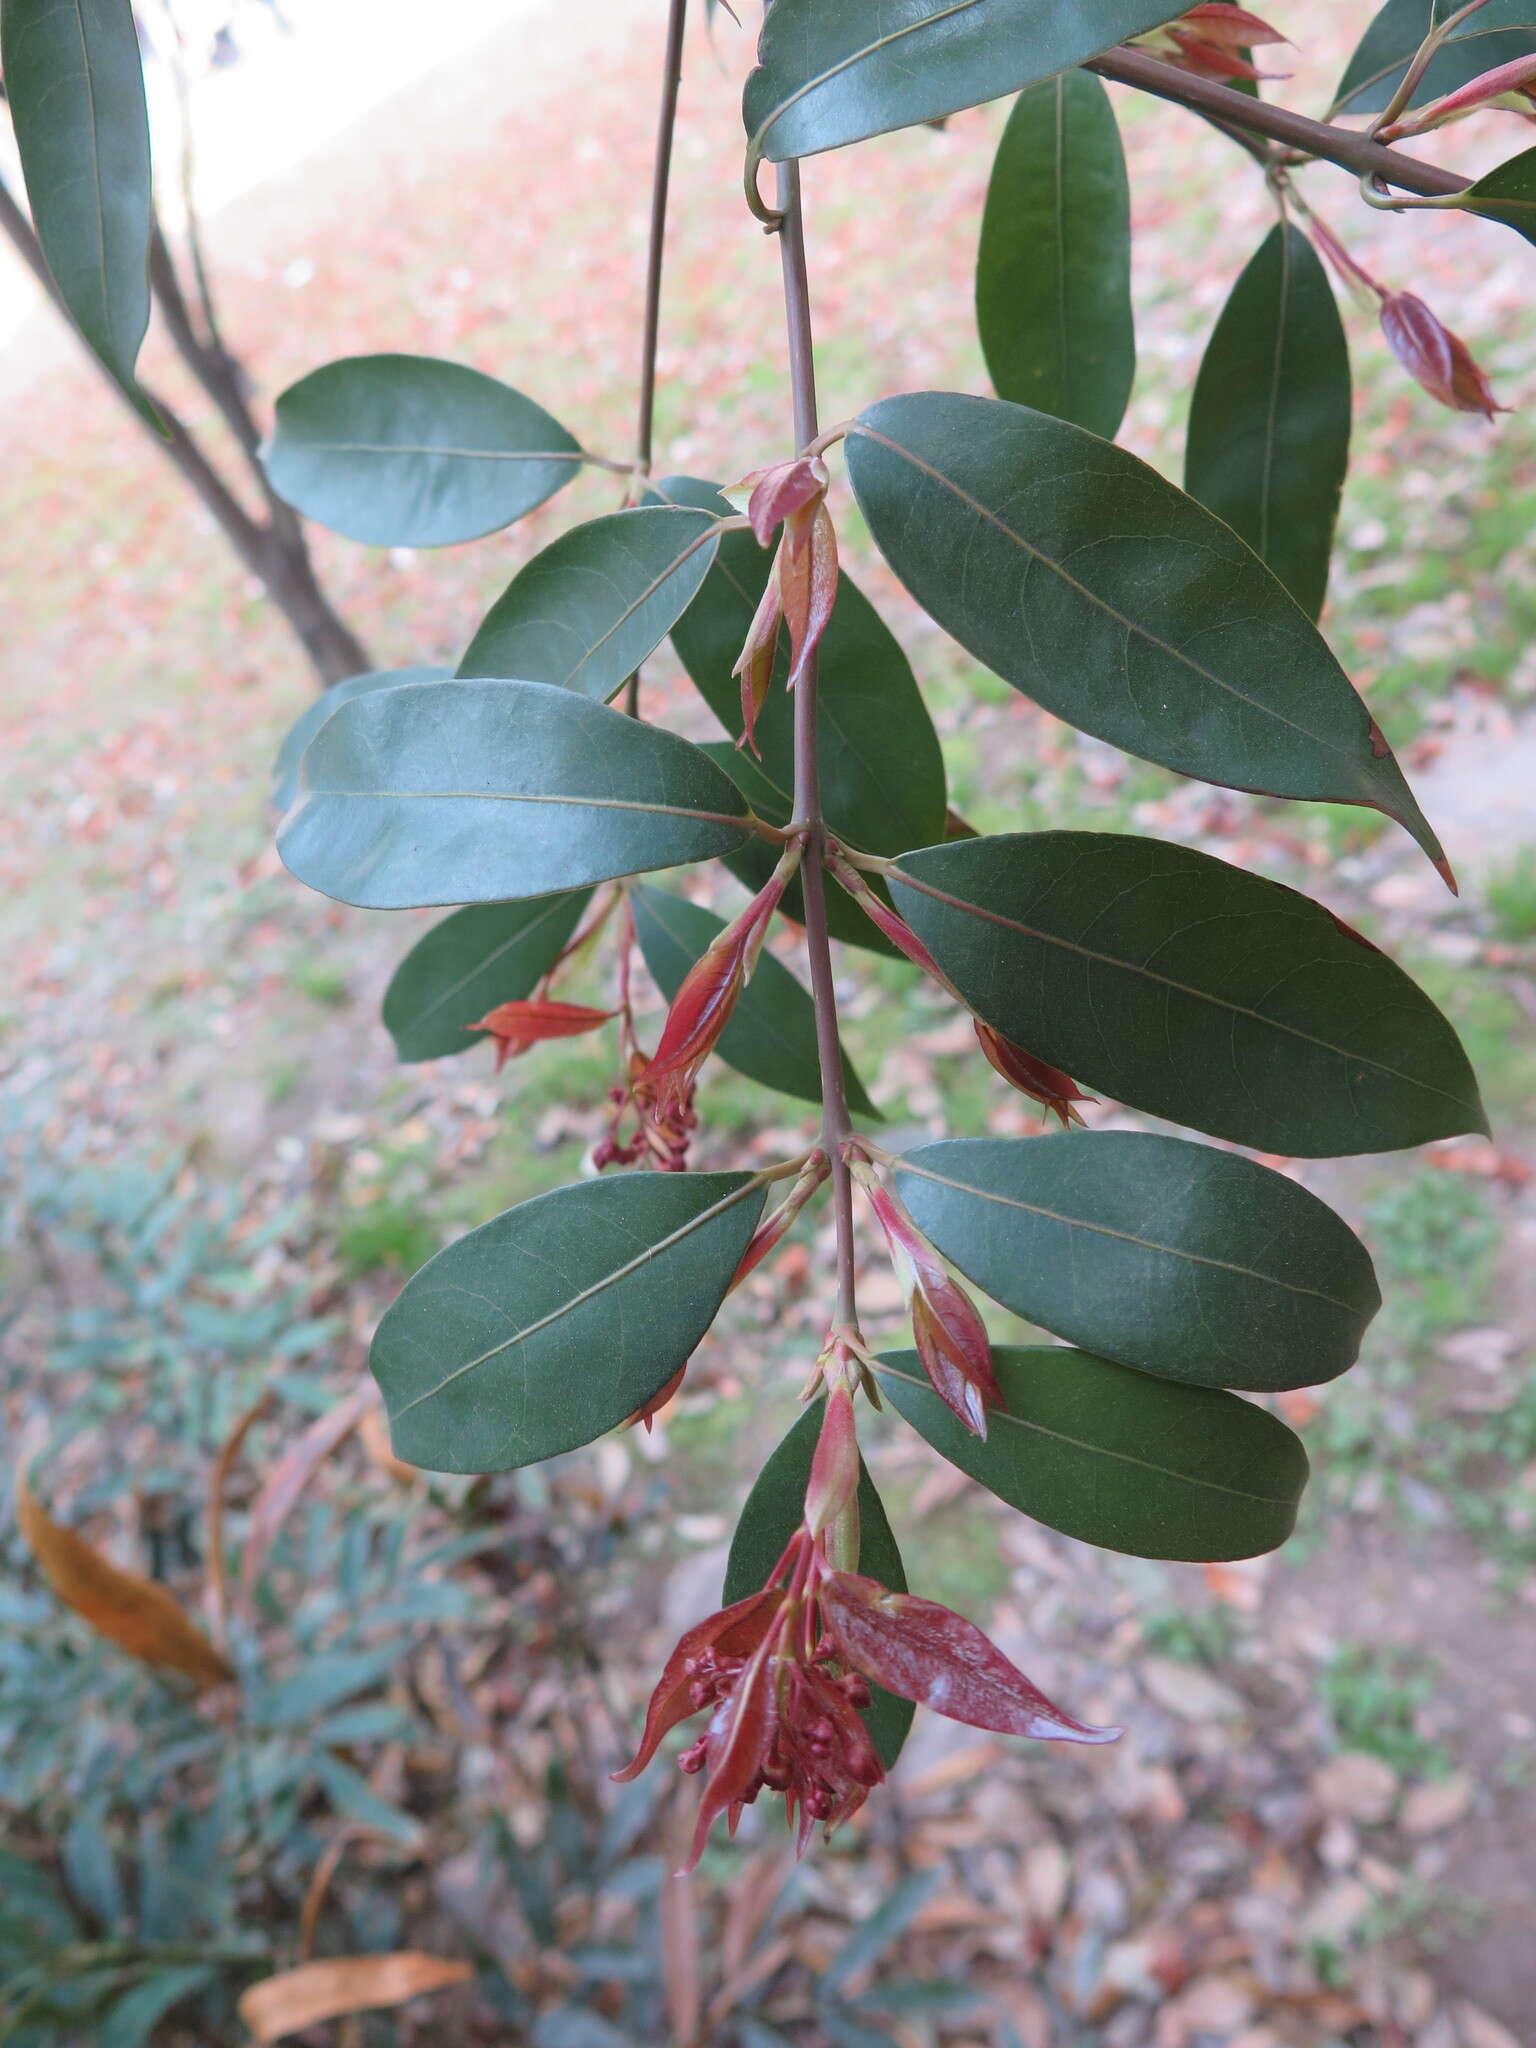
1020 1069
755 664
775 1228
950 1336
834 1482
1510 86
1434 357
807 574
517 1026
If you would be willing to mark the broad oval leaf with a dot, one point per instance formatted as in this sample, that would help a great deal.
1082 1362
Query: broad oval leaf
882 769
485 954
1192 990
588 610
285 770
771 1037
1116 1458
407 451
1184 1262
557 1321
1053 273
774 1511
1092 584
827 75
486 791
75 88
1508 194
1497 33
1269 424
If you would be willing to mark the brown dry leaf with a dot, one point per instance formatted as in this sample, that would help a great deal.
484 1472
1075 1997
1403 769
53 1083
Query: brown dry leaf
295 1999
373 1433
138 1615
293 1471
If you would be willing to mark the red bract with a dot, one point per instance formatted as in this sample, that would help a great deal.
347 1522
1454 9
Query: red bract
1509 86
702 1007
1057 1091
647 1415
517 1026
781 492
802 586
950 1336
807 584
775 1228
1434 357
1211 40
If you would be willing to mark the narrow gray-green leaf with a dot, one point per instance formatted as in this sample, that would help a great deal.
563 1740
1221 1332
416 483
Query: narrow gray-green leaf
1269 423
1053 273
1092 584
285 770
406 451
771 1037
1116 1458
1508 194
486 954
75 87
1181 1261
1192 990
588 610
555 1322
482 792
1497 33
774 1511
827 75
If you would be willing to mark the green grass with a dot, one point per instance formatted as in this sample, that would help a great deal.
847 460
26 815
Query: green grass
1510 894
1374 1700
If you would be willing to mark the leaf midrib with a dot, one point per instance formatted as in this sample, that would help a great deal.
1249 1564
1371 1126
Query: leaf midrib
782 107
496 796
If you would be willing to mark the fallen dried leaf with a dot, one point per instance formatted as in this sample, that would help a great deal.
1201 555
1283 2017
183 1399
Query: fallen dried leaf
295 1999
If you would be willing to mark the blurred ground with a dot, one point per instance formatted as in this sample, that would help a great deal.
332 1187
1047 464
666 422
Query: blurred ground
1318 1829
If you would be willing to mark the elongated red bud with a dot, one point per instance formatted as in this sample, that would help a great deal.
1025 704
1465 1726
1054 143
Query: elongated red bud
895 927
1511 87
834 1481
772 1231
807 577
924 1652
1434 357
1049 1086
517 1026
755 665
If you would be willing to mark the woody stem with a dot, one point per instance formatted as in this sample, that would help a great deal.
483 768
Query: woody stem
836 1126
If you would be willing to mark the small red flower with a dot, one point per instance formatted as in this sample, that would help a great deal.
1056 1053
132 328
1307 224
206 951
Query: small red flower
517 1026
950 1336
785 1673
1057 1091
1434 357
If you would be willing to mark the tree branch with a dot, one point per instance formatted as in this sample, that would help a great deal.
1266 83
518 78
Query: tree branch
836 1125
1342 146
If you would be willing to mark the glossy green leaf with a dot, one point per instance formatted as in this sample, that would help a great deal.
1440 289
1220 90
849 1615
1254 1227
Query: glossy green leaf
406 451
771 1038
755 864
1053 274
1089 582
1181 1261
1498 33
1269 423
285 770
827 75
882 768
1192 990
75 88
482 792
486 954
1508 194
1116 1458
774 1511
589 609
555 1322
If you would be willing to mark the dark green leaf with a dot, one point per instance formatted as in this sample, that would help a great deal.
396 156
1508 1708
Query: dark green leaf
406 451
1113 1457
76 92
1269 424
774 1511
1191 1264
882 767
1508 194
487 954
1088 581
1497 34
355 1799
482 792
555 1322
1053 275
771 1038
133 2018
1190 989
830 75
587 611
285 770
